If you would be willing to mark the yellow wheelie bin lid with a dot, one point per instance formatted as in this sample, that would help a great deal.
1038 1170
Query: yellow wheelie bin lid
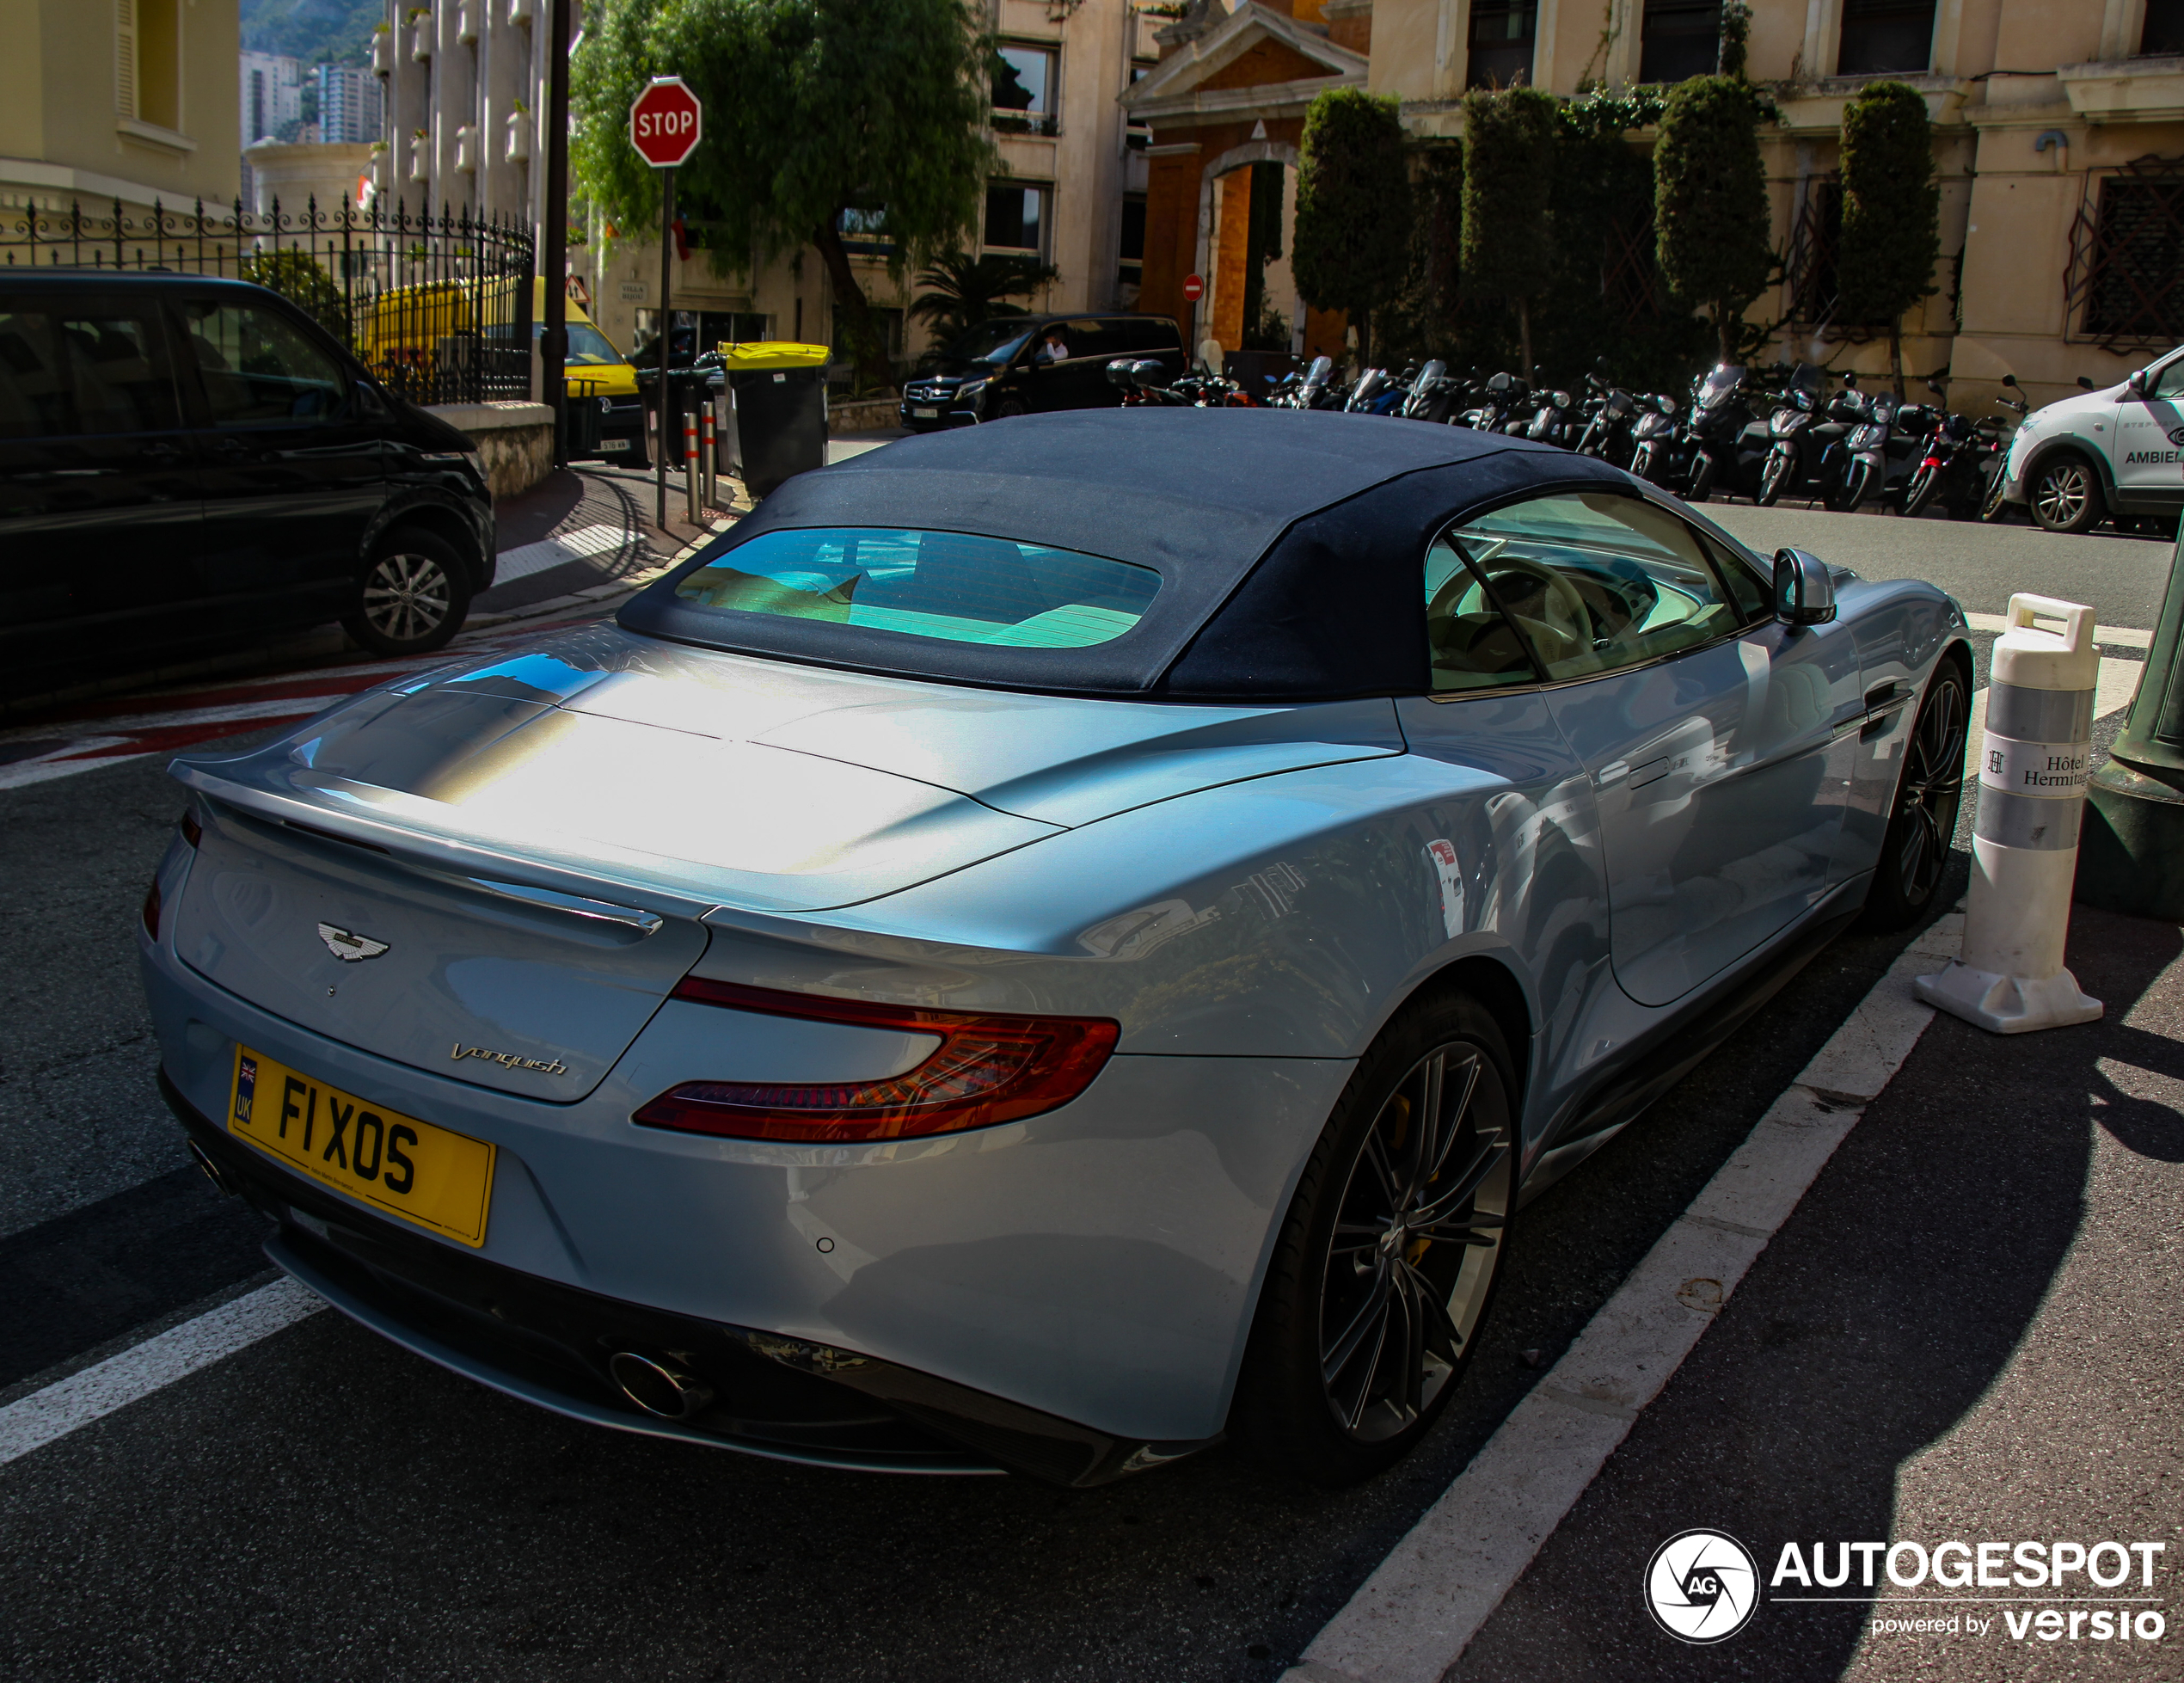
758 356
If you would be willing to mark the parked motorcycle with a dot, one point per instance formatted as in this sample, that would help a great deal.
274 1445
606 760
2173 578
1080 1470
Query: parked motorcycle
1434 394
1610 415
1654 455
1503 396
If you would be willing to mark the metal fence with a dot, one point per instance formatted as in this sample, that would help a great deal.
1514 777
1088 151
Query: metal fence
439 307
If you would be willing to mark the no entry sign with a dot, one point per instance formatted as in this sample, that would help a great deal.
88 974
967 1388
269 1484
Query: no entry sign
1194 288
664 122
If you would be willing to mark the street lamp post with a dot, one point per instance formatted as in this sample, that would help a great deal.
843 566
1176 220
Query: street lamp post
2131 855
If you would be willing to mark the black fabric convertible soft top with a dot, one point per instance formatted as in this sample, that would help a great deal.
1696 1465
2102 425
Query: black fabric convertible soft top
1289 544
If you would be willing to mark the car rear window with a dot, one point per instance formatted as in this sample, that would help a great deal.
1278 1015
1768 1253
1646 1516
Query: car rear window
950 586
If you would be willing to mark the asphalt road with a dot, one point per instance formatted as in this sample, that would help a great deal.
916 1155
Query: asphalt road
325 1505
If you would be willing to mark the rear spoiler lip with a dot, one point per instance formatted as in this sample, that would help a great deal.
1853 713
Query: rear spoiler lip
582 878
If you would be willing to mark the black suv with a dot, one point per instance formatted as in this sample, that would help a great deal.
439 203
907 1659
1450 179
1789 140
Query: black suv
1016 364
187 461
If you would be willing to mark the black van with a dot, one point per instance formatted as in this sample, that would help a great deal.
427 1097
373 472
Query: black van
187 462
1018 364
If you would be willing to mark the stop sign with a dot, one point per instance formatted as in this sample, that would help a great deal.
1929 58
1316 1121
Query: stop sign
1194 288
664 121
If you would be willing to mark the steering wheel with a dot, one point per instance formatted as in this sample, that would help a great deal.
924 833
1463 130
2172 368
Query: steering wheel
1566 613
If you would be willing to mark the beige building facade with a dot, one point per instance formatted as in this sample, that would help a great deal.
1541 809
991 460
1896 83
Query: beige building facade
2059 148
1071 193
132 100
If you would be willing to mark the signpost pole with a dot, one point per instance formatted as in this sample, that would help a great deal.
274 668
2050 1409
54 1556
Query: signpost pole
553 344
667 279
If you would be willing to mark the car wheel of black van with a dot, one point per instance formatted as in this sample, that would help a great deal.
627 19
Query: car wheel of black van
1386 1264
414 596
1009 408
2065 495
1922 824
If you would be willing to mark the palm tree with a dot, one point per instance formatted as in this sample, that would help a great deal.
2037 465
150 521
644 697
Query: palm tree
962 291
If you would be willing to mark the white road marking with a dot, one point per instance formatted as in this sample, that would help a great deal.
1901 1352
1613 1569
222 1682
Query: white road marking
525 559
1411 1620
32 1421
2115 637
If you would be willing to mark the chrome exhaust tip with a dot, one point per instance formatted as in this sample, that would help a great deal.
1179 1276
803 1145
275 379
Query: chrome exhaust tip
657 1387
214 1172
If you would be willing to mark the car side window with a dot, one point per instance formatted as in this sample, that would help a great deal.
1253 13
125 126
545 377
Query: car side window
257 367
82 369
1753 595
1473 645
2169 383
1597 581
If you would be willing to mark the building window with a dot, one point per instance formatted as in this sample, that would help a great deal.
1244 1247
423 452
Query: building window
1679 39
2165 30
2127 261
1130 268
1880 36
147 62
1016 217
1501 42
1136 132
863 229
1023 89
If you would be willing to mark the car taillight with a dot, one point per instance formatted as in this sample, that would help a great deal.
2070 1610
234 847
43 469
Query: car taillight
192 834
987 1069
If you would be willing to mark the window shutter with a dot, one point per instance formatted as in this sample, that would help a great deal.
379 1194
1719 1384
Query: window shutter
124 57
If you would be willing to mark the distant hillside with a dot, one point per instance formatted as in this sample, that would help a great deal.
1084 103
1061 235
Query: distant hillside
319 31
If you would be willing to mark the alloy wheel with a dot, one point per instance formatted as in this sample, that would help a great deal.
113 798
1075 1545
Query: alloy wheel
2060 497
1932 792
1416 1241
406 596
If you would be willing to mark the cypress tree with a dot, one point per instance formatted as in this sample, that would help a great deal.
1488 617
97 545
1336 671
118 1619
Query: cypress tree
1353 229
1508 176
1891 209
1711 218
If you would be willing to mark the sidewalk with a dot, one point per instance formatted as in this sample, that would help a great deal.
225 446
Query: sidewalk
1966 1331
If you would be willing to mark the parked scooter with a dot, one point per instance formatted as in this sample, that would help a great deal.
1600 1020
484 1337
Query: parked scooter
1802 459
1654 455
1610 414
1719 437
1502 397
1554 420
1432 394
1880 449
1316 388
1375 393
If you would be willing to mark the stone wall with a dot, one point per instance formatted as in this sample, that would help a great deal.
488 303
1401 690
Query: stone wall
515 441
867 416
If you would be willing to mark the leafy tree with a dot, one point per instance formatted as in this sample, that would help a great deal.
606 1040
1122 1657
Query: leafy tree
1508 174
1891 209
303 280
1736 38
814 109
1352 226
1711 218
961 291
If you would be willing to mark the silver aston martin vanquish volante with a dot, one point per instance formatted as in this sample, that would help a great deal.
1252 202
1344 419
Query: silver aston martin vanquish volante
1047 945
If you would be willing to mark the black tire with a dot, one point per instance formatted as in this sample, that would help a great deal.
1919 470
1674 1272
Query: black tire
1701 485
1008 408
1994 506
1377 1294
2065 496
1929 792
1850 490
1925 486
1774 479
413 597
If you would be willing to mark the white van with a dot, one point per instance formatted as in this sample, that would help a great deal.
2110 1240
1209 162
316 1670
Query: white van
2119 451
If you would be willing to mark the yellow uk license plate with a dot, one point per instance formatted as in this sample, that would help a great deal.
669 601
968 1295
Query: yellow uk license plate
432 1175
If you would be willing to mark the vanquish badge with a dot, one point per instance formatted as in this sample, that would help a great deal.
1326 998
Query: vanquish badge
1702 1586
349 947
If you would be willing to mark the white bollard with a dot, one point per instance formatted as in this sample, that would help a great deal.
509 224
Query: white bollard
2032 769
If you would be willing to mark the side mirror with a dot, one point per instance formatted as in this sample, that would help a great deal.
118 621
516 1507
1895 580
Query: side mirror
2137 383
1935 386
1804 588
2084 384
2009 380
